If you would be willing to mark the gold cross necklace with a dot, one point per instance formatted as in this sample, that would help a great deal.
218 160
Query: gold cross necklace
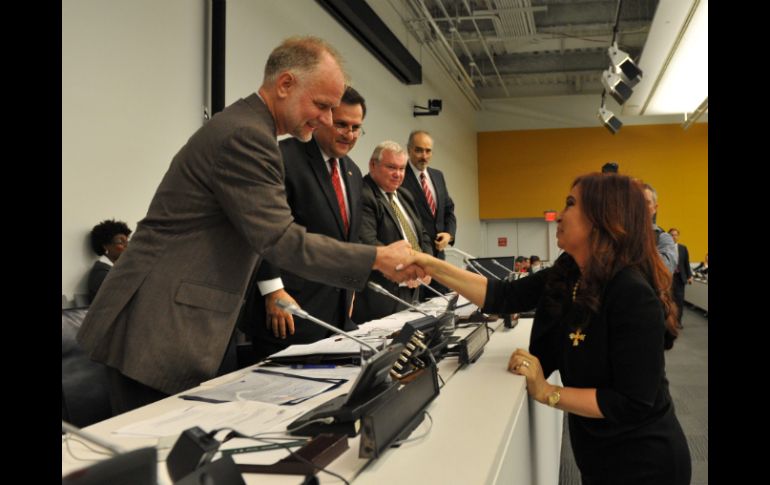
577 336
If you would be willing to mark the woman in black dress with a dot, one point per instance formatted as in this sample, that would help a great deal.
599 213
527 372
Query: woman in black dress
602 312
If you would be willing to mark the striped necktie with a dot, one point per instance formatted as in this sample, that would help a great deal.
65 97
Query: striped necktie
428 194
337 183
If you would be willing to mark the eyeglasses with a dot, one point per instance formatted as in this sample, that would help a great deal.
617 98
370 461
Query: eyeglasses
120 242
344 128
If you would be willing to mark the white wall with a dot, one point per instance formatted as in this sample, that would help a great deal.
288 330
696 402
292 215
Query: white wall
524 237
133 91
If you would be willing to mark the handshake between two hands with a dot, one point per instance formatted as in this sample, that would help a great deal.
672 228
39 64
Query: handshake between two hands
400 263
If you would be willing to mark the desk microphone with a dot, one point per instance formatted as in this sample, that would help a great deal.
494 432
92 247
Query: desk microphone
68 428
434 290
496 262
299 312
382 291
452 249
470 262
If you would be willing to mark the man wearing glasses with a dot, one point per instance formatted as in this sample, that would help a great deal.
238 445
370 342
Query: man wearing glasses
323 187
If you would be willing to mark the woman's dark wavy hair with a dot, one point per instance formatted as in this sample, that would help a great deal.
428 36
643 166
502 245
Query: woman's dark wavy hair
103 233
622 236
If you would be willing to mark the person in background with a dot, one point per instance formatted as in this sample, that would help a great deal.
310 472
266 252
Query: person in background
602 311
682 274
108 240
520 264
665 243
702 270
435 207
535 264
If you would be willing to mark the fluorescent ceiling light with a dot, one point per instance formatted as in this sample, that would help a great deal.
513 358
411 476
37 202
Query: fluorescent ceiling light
683 85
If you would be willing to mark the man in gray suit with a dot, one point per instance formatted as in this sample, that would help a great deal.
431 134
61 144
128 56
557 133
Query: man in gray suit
664 241
164 316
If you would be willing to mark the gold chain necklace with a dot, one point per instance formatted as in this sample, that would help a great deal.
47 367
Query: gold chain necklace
574 290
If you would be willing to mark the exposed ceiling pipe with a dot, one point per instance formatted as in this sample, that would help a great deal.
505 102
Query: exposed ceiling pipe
455 33
447 57
486 48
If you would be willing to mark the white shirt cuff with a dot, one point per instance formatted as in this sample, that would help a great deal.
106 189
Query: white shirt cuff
269 286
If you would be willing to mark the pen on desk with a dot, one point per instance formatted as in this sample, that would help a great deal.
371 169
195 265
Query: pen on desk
313 366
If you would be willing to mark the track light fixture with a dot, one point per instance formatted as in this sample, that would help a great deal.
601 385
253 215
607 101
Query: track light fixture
615 85
433 109
609 120
624 65
618 79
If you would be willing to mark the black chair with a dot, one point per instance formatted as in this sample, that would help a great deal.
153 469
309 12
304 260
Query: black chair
84 383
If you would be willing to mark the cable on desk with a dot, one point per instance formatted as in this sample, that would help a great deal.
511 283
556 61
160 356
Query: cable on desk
260 437
430 427
68 437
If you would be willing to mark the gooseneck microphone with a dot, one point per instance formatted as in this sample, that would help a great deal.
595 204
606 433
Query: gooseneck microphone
68 428
382 291
497 263
475 267
434 290
299 312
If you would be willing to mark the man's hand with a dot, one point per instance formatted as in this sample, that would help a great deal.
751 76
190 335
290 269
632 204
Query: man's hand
442 240
278 319
395 262
689 280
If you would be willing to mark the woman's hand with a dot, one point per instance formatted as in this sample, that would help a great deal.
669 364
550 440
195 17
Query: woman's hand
525 364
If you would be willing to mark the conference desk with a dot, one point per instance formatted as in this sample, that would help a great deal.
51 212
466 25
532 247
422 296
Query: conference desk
485 430
697 294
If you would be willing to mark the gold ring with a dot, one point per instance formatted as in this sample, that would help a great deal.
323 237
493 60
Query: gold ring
525 363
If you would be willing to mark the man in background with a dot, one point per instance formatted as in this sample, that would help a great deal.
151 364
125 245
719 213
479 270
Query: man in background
389 214
323 188
682 273
164 318
428 188
665 243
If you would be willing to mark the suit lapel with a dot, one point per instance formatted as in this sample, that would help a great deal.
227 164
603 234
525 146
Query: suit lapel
318 166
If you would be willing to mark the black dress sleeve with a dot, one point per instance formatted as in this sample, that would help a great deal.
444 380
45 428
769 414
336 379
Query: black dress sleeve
515 296
635 349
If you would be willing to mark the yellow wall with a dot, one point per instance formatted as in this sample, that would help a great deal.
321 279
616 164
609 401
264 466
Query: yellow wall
523 173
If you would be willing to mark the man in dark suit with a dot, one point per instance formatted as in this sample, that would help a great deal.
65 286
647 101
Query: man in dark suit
682 274
389 214
164 317
324 206
434 205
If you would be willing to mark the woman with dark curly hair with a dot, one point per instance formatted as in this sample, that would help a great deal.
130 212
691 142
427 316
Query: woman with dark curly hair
108 240
602 313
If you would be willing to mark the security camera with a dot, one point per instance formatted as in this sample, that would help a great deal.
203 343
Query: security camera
434 105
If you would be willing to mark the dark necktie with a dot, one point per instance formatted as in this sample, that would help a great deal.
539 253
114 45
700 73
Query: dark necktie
428 194
337 183
410 236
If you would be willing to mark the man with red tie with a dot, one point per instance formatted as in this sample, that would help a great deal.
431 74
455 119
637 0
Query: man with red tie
428 188
323 187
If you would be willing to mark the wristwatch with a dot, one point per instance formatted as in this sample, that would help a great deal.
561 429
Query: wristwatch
553 398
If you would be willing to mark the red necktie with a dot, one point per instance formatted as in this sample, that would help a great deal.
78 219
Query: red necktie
428 195
340 195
